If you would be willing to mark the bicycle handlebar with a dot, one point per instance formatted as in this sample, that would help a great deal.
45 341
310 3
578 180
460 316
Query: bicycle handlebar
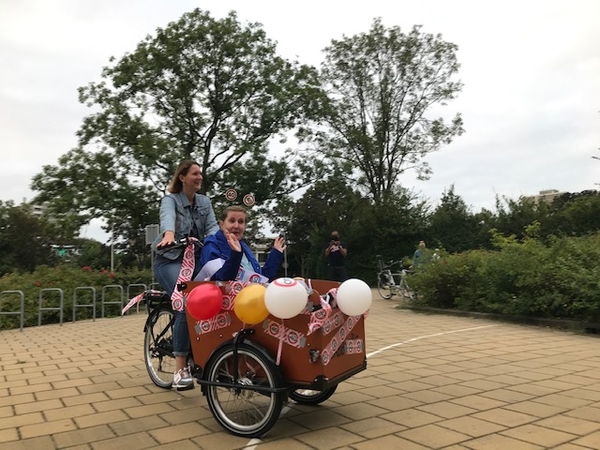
179 243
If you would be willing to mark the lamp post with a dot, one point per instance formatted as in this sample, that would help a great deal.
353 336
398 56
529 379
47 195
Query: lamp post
285 262
152 232
112 250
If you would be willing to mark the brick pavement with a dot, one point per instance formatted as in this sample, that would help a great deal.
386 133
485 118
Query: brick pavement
433 382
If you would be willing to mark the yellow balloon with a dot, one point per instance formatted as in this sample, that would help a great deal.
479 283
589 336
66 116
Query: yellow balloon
249 304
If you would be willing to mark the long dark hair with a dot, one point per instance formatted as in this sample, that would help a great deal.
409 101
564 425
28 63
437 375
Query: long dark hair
176 185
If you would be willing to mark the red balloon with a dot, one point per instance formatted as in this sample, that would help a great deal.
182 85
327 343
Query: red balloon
204 301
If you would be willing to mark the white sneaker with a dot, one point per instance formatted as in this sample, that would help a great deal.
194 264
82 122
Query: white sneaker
182 380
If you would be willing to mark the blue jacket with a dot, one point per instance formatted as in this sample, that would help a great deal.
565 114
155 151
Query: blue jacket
216 247
177 215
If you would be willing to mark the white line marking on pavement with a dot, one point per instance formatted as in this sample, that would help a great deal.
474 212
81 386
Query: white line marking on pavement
253 443
397 344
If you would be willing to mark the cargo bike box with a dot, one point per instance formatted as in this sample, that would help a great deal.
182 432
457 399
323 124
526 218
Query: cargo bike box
315 350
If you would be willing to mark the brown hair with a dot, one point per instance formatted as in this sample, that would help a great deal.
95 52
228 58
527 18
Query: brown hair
176 185
234 208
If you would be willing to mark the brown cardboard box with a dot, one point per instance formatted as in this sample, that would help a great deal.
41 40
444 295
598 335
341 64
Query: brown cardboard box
317 360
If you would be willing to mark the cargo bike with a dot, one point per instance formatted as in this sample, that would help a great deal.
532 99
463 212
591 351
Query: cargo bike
248 372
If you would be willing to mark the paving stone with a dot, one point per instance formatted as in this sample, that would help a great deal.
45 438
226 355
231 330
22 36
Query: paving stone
432 382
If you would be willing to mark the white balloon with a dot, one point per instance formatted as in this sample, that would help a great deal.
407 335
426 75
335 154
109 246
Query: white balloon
354 297
285 298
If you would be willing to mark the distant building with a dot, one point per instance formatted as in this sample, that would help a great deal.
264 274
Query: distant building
261 248
38 210
546 196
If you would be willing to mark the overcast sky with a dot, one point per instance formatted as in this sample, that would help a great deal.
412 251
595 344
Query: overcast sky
531 74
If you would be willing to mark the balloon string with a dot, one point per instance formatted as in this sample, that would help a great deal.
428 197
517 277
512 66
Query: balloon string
280 345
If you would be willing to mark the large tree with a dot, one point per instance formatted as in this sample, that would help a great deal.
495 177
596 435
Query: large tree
383 87
453 226
25 240
205 89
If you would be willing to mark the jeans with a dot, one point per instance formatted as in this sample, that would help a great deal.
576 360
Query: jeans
337 273
166 273
181 337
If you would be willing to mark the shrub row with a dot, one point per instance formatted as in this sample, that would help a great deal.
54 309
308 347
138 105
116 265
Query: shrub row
557 279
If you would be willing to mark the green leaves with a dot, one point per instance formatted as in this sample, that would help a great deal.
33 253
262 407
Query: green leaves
381 87
205 89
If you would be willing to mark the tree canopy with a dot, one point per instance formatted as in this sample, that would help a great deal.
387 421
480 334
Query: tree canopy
382 87
210 90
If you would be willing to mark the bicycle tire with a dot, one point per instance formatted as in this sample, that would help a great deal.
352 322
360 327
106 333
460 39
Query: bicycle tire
383 286
407 293
310 397
158 348
244 412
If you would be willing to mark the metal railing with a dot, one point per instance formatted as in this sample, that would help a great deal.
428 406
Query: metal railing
84 297
77 305
41 308
21 311
104 302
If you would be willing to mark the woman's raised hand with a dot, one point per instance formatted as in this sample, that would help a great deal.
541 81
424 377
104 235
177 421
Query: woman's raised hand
233 242
279 243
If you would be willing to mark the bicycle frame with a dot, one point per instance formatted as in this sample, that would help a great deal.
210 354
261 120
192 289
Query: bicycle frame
392 283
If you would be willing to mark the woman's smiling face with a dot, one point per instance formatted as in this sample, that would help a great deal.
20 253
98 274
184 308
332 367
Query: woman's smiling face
193 178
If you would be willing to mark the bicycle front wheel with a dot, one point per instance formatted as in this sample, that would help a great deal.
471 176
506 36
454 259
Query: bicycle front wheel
244 411
158 348
406 292
384 286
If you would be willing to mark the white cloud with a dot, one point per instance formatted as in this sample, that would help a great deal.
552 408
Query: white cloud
531 74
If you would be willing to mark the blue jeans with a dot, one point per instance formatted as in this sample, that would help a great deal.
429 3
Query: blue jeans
337 273
166 272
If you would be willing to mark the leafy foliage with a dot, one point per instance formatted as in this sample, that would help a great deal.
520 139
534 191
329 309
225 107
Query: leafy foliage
24 241
522 277
204 89
382 86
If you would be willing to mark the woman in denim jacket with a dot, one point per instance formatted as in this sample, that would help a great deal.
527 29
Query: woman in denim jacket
183 212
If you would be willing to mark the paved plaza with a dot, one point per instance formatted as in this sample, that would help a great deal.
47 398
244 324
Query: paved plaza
433 382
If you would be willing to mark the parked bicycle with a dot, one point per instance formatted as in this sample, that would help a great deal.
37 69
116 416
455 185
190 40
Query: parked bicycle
390 282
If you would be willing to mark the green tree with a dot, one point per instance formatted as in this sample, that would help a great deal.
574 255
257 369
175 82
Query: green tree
327 205
24 242
513 216
573 214
452 225
210 90
382 88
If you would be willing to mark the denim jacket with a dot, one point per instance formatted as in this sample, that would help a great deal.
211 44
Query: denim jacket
177 215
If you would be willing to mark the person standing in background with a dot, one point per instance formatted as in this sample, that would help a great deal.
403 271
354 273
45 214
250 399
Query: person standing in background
336 252
419 257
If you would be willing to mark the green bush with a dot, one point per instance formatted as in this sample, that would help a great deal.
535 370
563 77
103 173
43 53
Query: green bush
557 279
45 282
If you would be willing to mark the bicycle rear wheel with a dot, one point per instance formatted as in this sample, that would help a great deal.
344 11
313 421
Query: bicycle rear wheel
158 348
310 397
384 285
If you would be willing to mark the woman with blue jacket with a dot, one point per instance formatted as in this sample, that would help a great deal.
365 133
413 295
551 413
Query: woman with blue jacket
183 212
225 253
